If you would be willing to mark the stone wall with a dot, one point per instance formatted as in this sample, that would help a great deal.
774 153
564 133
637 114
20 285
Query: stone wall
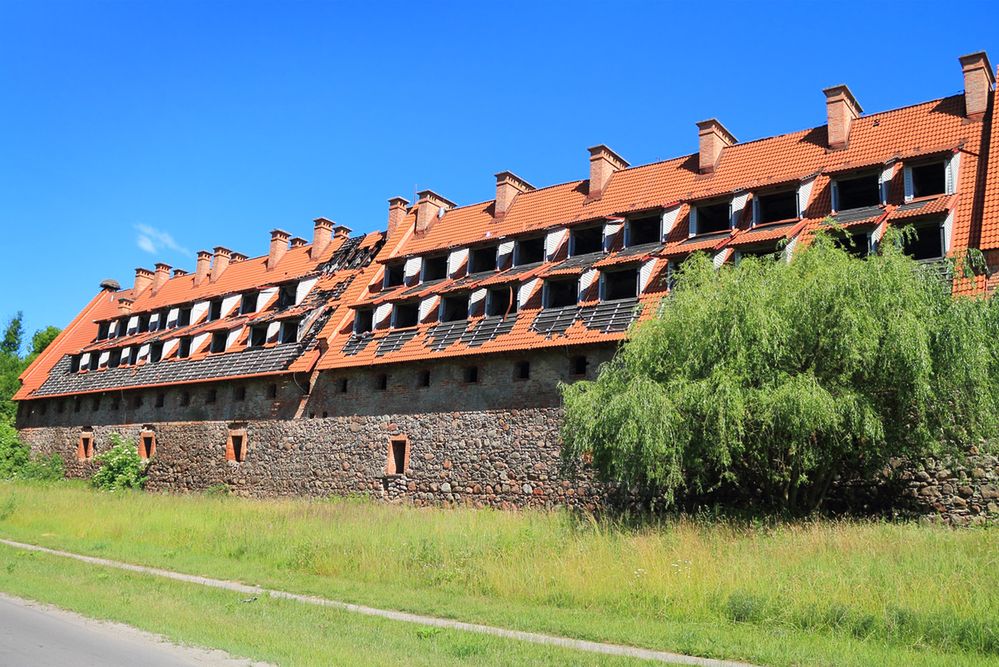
956 492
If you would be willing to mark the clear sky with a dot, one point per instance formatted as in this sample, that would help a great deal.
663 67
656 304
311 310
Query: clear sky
138 132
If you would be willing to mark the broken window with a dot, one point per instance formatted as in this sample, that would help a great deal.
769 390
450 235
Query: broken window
287 295
184 317
522 370
155 352
405 315
586 240
248 303
926 242
147 444
856 192
929 179
95 360
560 293
214 310
133 355
482 259
500 301
184 347
398 456
395 273
143 325
529 251
857 244
218 341
258 335
423 379
114 358
621 284
712 218
434 268
161 319
121 329
289 331
578 365
364 320
103 329
776 206
381 381
85 447
74 364
643 230
454 308
471 375
236 445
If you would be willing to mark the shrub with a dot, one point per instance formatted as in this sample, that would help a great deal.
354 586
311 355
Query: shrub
120 467
763 382
16 460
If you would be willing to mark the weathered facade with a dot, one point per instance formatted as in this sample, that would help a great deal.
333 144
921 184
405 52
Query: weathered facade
423 362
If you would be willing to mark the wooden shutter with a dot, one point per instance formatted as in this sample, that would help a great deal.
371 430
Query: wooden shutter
693 221
835 196
907 177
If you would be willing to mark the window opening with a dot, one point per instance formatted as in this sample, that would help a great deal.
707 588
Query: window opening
585 241
454 308
644 230
434 268
578 365
529 251
482 259
405 315
522 370
713 218
561 293
398 456
858 192
620 284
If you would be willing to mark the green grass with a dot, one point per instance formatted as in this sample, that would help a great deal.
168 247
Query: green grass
808 593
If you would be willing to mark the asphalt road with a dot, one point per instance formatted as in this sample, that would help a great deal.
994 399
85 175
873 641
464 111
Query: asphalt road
35 635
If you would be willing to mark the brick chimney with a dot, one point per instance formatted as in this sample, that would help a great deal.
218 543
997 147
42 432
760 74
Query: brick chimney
162 275
398 208
279 246
979 80
603 163
143 279
842 109
179 272
125 305
321 235
202 266
235 257
429 207
341 232
712 138
508 186
221 262
298 242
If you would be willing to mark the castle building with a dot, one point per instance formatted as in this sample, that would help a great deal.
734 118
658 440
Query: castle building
423 362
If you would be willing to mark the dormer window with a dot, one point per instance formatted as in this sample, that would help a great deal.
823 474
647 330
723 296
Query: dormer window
184 348
103 328
925 180
529 251
184 317
711 217
394 274
857 244
133 355
434 268
927 243
258 335
143 325
215 310
775 206
622 284
454 308
248 303
586 241
155 352
405 315
364 320
114 358
481 260
856 192
560 293
287 295
643 230
161 319
95 361
500 302
219 341
74 364
289 331
121 329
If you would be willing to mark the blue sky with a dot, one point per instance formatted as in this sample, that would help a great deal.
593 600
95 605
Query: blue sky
138 132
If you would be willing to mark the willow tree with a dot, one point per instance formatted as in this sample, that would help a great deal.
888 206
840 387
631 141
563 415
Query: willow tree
768 379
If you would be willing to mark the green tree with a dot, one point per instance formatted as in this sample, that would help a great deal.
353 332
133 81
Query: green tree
13 335
41 340
765 381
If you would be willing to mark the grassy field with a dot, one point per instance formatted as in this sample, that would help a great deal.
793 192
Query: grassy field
811 593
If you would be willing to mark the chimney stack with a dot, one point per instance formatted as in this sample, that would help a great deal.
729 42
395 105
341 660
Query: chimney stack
712 138
341 232
125 305
279 246
162 275
237 257
298 242
221 262
321 235
201 268
979 80
508 186
143 279
603 163
842 109
398 209
179 272
429 207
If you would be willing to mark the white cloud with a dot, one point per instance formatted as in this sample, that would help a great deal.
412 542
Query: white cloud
153 240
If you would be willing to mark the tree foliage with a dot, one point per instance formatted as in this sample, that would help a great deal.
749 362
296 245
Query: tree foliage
766 380
12 363
120 467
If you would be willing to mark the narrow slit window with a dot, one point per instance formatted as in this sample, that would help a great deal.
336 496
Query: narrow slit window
398 456
147 444
85 447
236 445
381 382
